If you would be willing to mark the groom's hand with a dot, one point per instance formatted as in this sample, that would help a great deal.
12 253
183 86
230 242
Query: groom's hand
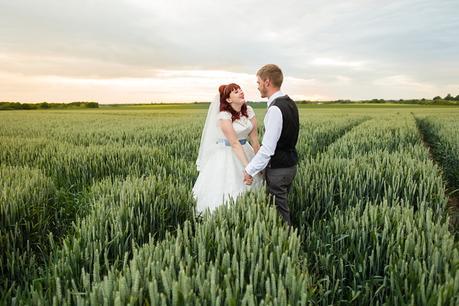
248 179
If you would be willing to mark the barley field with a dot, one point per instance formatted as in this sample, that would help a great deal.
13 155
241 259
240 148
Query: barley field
96 209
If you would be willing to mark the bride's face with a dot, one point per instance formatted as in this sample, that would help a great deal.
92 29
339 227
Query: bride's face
236 97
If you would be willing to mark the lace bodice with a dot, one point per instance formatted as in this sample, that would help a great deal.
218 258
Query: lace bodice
242 126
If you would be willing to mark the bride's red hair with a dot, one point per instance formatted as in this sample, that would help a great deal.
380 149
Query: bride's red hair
225 91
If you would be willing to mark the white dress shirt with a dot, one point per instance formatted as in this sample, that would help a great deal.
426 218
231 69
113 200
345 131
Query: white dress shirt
273 130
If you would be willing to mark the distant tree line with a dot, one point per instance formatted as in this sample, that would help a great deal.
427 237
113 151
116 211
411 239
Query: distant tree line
448 97
46 105
447 100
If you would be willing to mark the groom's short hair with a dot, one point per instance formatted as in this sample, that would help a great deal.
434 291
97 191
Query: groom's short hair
272 72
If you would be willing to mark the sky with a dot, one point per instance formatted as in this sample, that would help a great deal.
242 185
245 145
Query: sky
139 51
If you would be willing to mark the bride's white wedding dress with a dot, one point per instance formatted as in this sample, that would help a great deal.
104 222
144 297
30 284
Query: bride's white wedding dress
221 174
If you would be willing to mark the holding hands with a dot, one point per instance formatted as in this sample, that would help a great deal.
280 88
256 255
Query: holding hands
248 179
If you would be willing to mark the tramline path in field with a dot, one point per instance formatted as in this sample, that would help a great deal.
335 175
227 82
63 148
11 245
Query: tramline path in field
441 134
70 257
377 202
369 211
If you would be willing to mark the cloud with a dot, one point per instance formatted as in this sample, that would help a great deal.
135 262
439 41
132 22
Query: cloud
350 49
323 61
405 83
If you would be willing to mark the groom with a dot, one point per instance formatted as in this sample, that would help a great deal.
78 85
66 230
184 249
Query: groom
277 154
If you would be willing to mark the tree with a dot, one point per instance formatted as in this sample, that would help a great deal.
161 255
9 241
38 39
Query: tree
437 98
449 97
44 105
92 105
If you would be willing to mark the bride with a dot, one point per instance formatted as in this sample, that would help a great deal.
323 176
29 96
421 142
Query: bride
229 141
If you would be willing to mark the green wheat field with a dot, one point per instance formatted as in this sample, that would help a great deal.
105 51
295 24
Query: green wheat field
96 209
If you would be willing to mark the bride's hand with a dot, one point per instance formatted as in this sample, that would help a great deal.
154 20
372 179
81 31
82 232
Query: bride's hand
248 180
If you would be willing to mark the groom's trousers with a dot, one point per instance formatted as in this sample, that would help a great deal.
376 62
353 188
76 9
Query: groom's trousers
279 182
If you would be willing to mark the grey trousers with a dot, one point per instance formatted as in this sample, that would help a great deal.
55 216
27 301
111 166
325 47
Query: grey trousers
279 182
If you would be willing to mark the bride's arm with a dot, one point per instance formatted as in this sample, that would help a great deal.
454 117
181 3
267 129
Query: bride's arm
230 134
253 136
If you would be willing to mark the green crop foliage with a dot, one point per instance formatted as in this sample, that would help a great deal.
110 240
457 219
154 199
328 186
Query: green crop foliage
97 209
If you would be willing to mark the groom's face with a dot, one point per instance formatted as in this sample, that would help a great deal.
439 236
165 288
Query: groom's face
262 87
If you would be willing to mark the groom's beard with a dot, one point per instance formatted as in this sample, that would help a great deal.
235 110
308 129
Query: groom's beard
263 92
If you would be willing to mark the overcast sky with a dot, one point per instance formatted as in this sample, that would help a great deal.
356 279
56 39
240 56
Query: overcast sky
171 51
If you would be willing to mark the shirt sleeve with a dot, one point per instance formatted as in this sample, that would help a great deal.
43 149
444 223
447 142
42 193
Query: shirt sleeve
250 112
273 130
223 115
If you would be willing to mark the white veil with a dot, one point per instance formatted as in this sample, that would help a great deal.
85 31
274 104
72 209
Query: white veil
210 134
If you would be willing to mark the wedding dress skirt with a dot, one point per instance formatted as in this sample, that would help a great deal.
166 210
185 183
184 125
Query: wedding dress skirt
221 177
